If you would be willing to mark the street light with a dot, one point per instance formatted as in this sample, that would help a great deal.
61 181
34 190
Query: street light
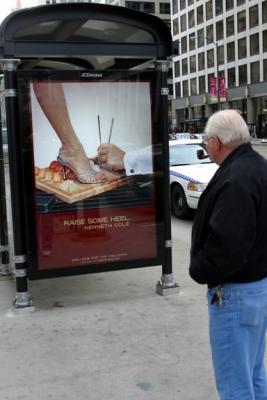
217 75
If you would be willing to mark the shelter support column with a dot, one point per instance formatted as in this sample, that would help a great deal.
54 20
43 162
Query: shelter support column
167 285
4 248
22 300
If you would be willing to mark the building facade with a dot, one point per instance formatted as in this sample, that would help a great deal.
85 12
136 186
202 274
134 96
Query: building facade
221 49
160 8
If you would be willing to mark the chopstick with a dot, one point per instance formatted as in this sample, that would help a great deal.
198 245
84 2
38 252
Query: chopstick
110 131
99 129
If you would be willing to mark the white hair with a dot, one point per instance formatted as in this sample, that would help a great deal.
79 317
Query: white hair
228 126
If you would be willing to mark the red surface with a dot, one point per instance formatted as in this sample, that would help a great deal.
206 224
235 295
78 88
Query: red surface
95 236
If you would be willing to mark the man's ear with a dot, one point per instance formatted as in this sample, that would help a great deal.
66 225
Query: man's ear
217 144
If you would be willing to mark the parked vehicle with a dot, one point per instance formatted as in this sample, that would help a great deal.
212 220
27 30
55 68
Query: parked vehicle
189 175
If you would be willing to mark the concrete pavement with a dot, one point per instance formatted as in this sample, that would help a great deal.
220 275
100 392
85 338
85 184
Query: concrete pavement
109 336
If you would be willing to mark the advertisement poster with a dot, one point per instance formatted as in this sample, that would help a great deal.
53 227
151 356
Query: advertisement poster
213 87
213 84
93 167
222 89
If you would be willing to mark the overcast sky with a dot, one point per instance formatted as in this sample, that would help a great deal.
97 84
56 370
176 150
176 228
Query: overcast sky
10 5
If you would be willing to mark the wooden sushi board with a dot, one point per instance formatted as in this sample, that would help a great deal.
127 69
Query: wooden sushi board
80 191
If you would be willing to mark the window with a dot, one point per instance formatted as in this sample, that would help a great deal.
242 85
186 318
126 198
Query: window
164 8
200 38
201 84
170 87
253 16
148 7
210 58
183 23
168 23
190 2
209 10
231 78
230 27
174 6
230 51
192 64
133 5
241 21
175 26
218 7
185 88
191 18
264 12
193 86
255 72
182 4
264 37
242 73
176 46
220 55
177 68
192 42
177 89
242 48
219 30
209 34
200 15
201 61
209 77
240 2
254 44
229 4
184 44
265 70
184 66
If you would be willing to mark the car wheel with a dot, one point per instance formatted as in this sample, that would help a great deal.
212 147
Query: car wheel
178 203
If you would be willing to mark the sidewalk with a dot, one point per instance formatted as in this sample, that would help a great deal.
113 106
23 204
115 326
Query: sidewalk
108 336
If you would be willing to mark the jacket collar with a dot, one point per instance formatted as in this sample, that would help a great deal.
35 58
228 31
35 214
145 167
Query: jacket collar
242 149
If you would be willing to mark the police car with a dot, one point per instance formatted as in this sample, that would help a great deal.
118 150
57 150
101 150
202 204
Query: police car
190 171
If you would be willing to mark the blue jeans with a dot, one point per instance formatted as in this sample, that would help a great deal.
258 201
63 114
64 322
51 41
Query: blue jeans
237 330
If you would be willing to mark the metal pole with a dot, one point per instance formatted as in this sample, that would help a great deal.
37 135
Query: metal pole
22 299
4 249
217 75
167 285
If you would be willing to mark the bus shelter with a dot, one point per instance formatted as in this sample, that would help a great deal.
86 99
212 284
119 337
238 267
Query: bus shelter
85 88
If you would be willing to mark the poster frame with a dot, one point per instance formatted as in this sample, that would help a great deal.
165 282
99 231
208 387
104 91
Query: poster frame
24 78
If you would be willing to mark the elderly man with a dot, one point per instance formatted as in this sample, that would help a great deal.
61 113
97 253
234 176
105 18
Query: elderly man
229 254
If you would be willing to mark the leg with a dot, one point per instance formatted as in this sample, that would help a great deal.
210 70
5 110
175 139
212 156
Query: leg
259 373
237 333
51 98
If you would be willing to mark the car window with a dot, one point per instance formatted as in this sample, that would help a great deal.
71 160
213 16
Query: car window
187 154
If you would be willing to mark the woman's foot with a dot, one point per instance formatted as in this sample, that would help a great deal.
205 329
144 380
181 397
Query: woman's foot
77 161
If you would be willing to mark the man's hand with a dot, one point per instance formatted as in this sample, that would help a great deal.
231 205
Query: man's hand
111 157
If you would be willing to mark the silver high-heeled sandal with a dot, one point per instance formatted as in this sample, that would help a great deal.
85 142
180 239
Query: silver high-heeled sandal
88 176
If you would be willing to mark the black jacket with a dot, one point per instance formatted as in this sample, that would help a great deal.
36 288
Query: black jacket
229 235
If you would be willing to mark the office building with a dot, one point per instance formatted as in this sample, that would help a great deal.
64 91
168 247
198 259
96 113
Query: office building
160 8
225 38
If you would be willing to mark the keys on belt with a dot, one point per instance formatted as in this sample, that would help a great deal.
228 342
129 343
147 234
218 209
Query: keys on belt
218 296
